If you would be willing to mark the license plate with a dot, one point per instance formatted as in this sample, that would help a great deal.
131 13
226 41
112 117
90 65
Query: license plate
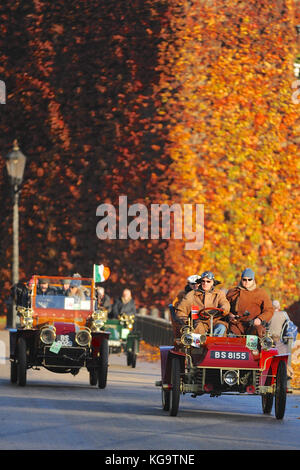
231 355
64 340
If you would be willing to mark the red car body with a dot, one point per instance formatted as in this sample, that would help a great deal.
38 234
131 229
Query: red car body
204 370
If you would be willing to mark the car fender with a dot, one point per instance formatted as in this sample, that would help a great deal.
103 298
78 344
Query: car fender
167 354
29 336
97 339
269 366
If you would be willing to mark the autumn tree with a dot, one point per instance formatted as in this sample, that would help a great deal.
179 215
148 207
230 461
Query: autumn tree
226 77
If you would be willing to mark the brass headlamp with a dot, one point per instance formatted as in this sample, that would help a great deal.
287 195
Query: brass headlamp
193 339
186 339
83 337
99 317
48 334
26 315
189 338
127 319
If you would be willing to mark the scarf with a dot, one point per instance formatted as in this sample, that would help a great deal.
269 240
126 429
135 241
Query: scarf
203 291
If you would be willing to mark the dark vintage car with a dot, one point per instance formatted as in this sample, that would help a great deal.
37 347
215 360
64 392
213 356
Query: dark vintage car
123 337
60 330
199 364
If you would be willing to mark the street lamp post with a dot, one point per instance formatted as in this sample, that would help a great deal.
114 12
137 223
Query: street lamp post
15 164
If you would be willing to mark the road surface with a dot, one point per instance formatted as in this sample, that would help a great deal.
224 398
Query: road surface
62 412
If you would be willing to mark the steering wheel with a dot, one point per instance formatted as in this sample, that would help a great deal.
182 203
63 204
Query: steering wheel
213 311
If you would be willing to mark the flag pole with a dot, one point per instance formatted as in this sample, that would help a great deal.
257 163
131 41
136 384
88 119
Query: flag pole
93 282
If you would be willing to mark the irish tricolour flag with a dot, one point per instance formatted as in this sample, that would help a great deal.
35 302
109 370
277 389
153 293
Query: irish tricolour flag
101 272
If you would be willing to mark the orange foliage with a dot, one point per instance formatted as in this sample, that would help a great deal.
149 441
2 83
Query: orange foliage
226 75
295 382
148 353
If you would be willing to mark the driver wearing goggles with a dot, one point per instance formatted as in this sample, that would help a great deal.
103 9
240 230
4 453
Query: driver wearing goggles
204 296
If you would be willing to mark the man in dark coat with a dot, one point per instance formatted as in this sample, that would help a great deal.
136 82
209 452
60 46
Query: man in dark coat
102 299
43 288
22 294
124 304
44 294
247 297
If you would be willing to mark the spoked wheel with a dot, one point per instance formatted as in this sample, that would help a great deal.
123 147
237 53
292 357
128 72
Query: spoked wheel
280 391
267 402
175 390
103 364
22 362
165 399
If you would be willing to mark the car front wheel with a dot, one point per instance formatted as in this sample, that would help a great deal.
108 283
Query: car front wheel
22 362
103 364
134 353
165 399
280 391
175 390
13 372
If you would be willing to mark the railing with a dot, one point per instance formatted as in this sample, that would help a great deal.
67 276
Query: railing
154 331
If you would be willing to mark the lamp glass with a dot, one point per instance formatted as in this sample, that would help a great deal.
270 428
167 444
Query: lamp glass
15 164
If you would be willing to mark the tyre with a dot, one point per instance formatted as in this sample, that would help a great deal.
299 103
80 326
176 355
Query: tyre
103 364
175 390
129 358
267 402
22 362
93 377
280 390
133 362
165 399
13 372
134 353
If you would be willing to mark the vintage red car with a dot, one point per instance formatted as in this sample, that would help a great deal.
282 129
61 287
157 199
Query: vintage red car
60 329
214 365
